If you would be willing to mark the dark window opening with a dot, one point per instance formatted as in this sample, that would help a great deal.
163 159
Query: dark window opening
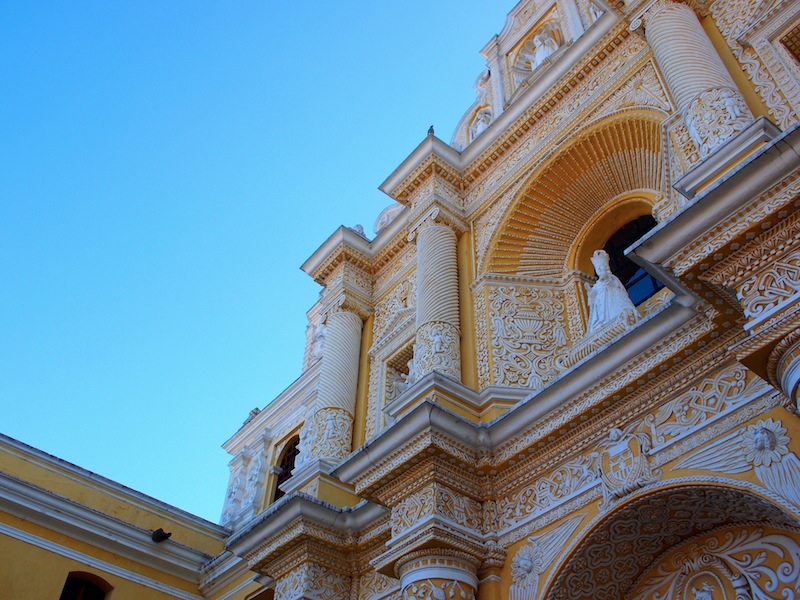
84 586
639 283
286 464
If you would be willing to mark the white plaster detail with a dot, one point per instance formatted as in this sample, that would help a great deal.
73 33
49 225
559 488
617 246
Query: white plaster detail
535 557
608 299
762 446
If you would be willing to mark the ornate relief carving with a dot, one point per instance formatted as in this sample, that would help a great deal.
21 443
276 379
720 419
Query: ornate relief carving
528 330
624 464
437 349
435 499
643 89
712 396
312 580
535 557
326 434
397 306
762 447
616 553
772 286
732 17
766 204
481 335
546 122
714 116
436 589
756 564
548 491
375 585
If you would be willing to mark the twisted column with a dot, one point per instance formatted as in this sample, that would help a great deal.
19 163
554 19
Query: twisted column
438 344
708 99
328 431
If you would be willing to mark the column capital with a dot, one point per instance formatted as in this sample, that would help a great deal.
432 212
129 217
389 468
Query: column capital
437 211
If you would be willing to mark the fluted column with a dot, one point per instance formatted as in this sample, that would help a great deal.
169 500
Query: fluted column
328 431
450 572
708 99
438 344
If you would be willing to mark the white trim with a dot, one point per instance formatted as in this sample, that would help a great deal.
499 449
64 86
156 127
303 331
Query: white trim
95 563
102 531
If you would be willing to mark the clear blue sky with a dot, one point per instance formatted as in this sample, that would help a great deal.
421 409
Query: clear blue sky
165 168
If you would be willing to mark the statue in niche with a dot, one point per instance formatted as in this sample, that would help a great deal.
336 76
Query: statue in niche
595 11
544 45
481 122
608 298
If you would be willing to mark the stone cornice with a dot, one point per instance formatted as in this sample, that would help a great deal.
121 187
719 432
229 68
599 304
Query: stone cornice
429 427
761 171
432 156
254 539
68 517
344 245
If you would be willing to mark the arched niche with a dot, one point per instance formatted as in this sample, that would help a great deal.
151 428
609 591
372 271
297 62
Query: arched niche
610 167
609 559
609 219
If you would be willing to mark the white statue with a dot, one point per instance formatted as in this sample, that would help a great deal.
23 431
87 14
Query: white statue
595 11
608 298
544 45
482 120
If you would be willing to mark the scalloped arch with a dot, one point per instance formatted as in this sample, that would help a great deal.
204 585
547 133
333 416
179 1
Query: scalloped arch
608 159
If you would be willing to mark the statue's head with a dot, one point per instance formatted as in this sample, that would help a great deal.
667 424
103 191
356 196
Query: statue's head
600 260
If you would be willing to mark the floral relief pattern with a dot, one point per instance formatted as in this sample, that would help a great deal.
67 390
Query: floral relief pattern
528 330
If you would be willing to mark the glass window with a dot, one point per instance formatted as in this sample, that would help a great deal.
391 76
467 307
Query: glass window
639 283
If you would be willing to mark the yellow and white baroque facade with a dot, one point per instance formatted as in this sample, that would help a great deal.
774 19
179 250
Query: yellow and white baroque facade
460 430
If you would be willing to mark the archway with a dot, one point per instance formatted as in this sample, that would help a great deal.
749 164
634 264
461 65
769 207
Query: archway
623 552
608 163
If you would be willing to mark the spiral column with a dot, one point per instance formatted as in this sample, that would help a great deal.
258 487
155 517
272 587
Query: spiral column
438 344
708 99
328 431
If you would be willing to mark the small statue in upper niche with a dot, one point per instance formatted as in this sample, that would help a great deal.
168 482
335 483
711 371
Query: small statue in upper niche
544 45
482 120
608 298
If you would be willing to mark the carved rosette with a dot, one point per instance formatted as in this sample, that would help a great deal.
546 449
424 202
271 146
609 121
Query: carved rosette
707 97
437 349
438 573
438 326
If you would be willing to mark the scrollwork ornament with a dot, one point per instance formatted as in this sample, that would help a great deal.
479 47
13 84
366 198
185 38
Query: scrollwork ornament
715 116
437 349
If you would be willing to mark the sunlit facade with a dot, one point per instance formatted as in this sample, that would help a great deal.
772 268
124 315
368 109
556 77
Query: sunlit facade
566 365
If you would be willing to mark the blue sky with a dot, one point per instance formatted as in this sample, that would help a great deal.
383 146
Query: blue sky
165 168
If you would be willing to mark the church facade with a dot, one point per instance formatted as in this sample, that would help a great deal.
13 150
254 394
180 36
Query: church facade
567 364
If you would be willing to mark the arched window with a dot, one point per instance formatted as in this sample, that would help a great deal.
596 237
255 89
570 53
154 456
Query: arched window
84 586
639 283
286 464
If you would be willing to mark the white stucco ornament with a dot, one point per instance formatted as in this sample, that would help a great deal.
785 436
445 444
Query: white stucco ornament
608 298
